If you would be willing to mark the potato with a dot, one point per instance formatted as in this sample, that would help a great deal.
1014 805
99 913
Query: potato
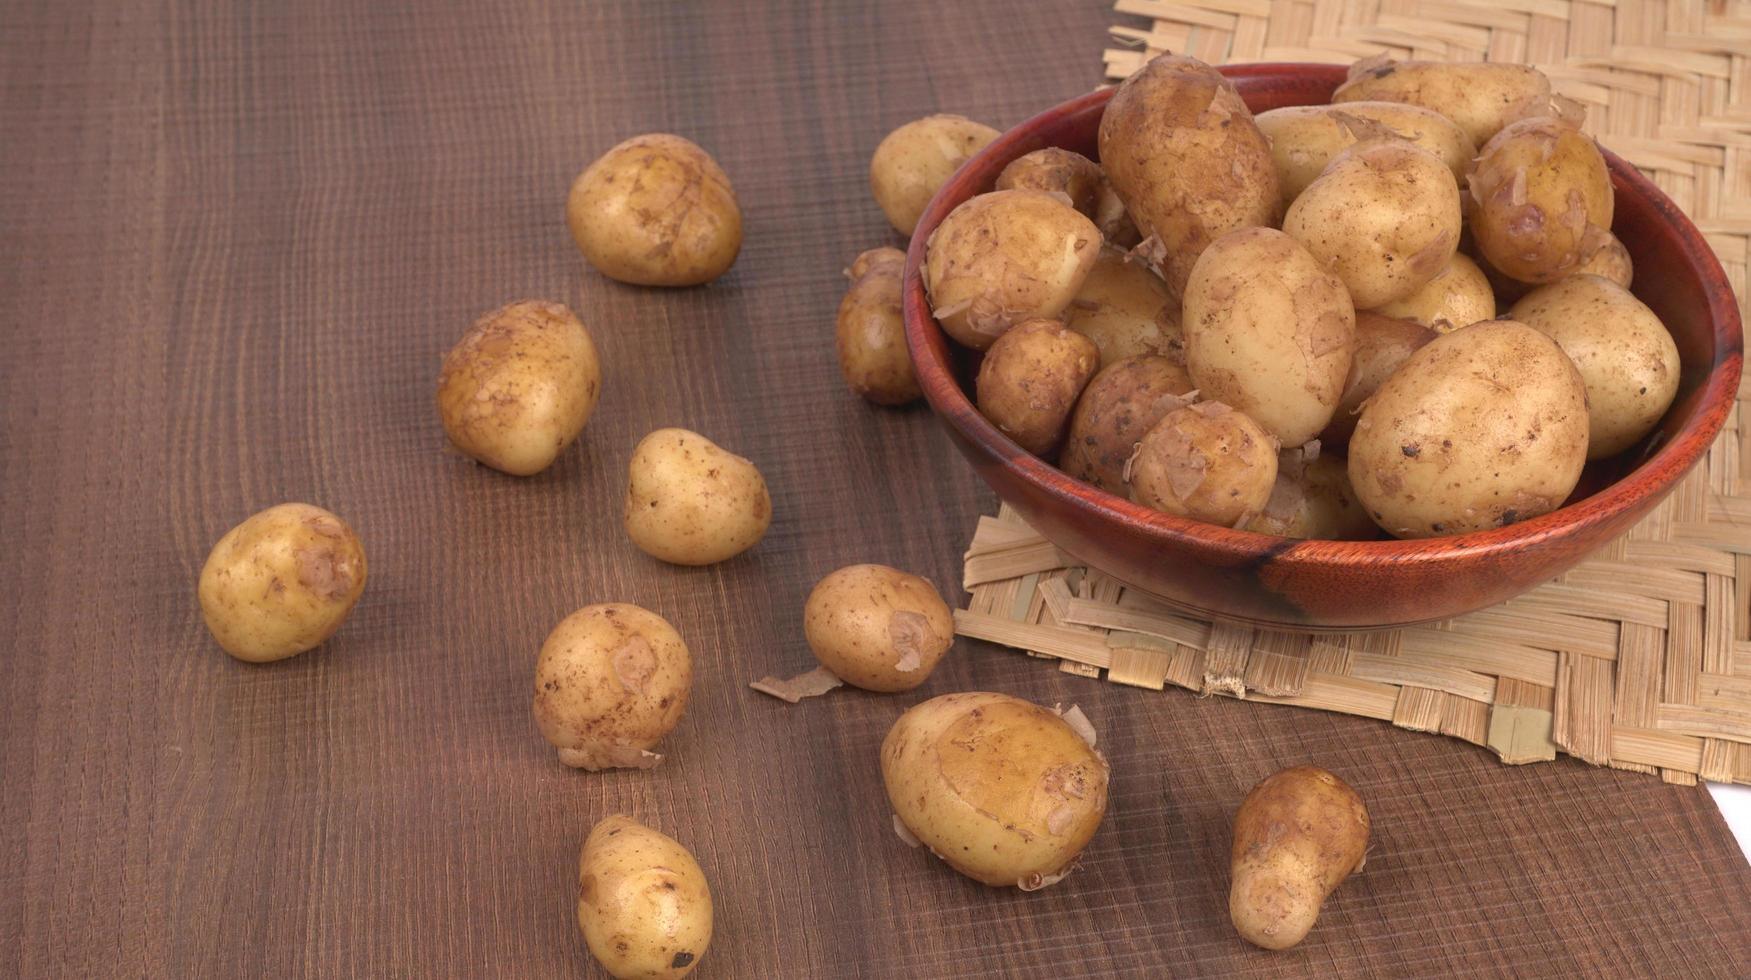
1480 96
1114 222
870 333
1297 836
656 210
1004 791
1625 355
877 627
689 502
643 904
1304 138
519 386
1121 404
1541 200
1382 345
1482 427
1125 309
1312 498
1269 331
913 162
1207 462
1384 216
1183 153
1054 170
1458 296
1004 257
1030 380
1608 258
611 680
281 582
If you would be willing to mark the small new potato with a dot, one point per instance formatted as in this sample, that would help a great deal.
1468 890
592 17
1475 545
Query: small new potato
520 386
913 162
1481 96
1125 309
1003 790
870 333
1625 355
1269 331
1458 296
1057 171
877 627
1207 462
690 502
1297 836
1383 343
281 582
1304 138
610 682
1541 199
1121 404
1030 380
1112 219
1313 499
656 210
1482 427
1609 259
643 903
1004 257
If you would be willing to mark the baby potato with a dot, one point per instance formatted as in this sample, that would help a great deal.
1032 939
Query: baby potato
1297 836
1004 257
913 162
656 210
1181 149
519 386
1625 355
1110 216
689 502
1054 170
1269 331
1481 96
877 627
1312 498
1541 199
281 582
1480 428
1004 791
1608 258
1384 216
1125 309
643 904
1383 343
1121 404
1458 296
1207 462
1030 380
610 682
870 333
1304 138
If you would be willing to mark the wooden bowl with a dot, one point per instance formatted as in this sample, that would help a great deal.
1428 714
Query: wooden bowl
1344 585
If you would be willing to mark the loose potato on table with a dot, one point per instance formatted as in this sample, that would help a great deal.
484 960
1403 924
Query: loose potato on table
1480 96
1003 790
1207 462
870 333
1121 405
281 582
1297 836
1030 380
1125 309
1304 138
1459 296
913 162
1625 355
610 682
1056 171
520 386
644 906
656 210
1541 199
690 502
1383 343
1312 498
877 627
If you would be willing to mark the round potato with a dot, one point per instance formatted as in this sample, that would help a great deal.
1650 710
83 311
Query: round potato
1312 498
611 680
1384 216
1541 199
1269 331
689 502
1625 355
1126 310
519 386
1383 344
1304 138
1481 96
656 210
1609 259
1121 404
643 904
1207 462
281 582
1054 170
1030 380
1482 427
870 333
877 627
1004 791
913 162
1181 149
1458 296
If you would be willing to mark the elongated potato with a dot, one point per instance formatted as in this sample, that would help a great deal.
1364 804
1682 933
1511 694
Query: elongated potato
1126 310
1297 836
1207 462
913 162
877 627
691 502
1383 343
1480 96
870 334
1312 498
643 903
656 210
1056 171
281 582
1304 138
1541 200
611 680
1120 406
1030 380
1458 296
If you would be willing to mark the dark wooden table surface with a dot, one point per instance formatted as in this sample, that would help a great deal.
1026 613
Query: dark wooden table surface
234 241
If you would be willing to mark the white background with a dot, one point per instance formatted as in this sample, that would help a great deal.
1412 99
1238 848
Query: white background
1735 803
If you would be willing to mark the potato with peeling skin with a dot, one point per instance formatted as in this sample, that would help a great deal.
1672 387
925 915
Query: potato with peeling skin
1540 199
1114 222
870 333
690 502
1297 836
1054 170
1313 499
1126 310
1207 462
1121 404
1481 96
281 582
610 682
656 210
1383 343
1459 296
877 627
1030 380
644 906
913 162
1304 138
1002 790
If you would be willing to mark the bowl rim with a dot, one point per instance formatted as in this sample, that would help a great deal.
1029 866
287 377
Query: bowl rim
1653 476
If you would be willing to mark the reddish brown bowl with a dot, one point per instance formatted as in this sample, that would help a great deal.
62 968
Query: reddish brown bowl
1345 585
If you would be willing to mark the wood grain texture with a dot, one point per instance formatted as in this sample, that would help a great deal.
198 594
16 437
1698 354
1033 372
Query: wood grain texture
235 240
